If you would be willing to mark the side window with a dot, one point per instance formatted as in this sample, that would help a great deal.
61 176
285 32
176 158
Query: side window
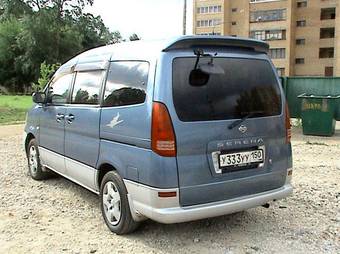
87 88
59 89
126 83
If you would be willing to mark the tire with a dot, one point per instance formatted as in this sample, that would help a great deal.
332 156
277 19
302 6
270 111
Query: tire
114 205
33 159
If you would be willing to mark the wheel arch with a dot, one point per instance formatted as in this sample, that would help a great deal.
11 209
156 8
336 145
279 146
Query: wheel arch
102 170
28 138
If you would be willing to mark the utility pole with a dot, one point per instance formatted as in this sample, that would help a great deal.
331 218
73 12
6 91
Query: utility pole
185 18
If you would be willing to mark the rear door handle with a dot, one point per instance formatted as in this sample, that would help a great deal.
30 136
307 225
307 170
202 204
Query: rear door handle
59 117
69 118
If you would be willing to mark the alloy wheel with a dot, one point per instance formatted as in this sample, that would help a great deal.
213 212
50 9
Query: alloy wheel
112 203
33 160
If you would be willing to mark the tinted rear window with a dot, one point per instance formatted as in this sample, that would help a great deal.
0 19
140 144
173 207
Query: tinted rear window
248 86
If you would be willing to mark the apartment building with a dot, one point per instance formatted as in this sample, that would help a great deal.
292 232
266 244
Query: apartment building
302 34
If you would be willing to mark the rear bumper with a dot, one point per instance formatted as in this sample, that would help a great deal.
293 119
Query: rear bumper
151 206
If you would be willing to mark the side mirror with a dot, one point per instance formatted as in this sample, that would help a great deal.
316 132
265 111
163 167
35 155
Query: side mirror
39 97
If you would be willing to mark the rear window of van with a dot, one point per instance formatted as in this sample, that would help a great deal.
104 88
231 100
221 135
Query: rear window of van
248 87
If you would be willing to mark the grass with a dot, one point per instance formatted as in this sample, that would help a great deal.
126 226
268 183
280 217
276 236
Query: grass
13 108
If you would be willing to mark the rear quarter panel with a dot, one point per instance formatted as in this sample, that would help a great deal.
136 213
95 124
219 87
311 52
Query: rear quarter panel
125 134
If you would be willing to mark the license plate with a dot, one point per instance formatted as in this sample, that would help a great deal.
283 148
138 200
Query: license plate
240 159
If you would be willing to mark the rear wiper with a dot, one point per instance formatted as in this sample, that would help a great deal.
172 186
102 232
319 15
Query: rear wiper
239 121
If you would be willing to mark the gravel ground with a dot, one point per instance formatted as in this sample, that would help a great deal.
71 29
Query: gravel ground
57 216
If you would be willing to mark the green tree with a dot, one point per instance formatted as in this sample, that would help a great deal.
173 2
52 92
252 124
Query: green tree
62 6
134 37
33 32
42 41
117 37
11 75
93 30
13 8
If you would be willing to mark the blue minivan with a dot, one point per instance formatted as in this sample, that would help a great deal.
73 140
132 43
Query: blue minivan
171 130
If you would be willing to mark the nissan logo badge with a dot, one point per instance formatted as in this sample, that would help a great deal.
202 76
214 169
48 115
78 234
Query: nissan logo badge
243 129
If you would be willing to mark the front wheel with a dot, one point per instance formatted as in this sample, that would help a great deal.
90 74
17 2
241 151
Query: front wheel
115 205
34 165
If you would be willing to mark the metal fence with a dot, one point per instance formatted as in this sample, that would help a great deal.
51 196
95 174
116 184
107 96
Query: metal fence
294 86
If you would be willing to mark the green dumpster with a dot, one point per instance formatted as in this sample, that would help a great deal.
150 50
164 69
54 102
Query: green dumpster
318 114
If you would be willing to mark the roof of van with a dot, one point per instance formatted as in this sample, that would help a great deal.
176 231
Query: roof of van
140 49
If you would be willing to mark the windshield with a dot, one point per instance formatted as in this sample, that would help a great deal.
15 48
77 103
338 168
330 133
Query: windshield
248 87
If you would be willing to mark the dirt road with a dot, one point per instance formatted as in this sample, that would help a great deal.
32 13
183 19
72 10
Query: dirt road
11 130
57 216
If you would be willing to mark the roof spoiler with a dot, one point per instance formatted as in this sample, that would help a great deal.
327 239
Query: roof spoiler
190 42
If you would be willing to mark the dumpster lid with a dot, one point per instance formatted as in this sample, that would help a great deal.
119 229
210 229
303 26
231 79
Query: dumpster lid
312 96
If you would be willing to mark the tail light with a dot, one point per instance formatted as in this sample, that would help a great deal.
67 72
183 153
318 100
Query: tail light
288 125
163 141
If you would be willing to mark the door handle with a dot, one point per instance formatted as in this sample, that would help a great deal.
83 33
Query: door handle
69 118
59 117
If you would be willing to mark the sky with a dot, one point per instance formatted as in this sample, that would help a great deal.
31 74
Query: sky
149 19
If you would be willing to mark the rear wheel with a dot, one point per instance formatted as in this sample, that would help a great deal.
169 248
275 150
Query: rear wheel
115 205
34 165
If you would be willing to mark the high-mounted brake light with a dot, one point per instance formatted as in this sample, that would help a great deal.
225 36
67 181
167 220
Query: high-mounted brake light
163 141
288 125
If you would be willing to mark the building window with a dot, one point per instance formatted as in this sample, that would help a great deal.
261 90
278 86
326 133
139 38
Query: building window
328 32
208 22
301 23
259 1
202 10
209 9
299 60
268 35
326 53
234 9
214 33
329 71
281 72
233 23
269 15
258 35
300 41
327 13
302 4
278 53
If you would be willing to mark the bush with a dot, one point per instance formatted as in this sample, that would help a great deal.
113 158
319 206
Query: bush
46 70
